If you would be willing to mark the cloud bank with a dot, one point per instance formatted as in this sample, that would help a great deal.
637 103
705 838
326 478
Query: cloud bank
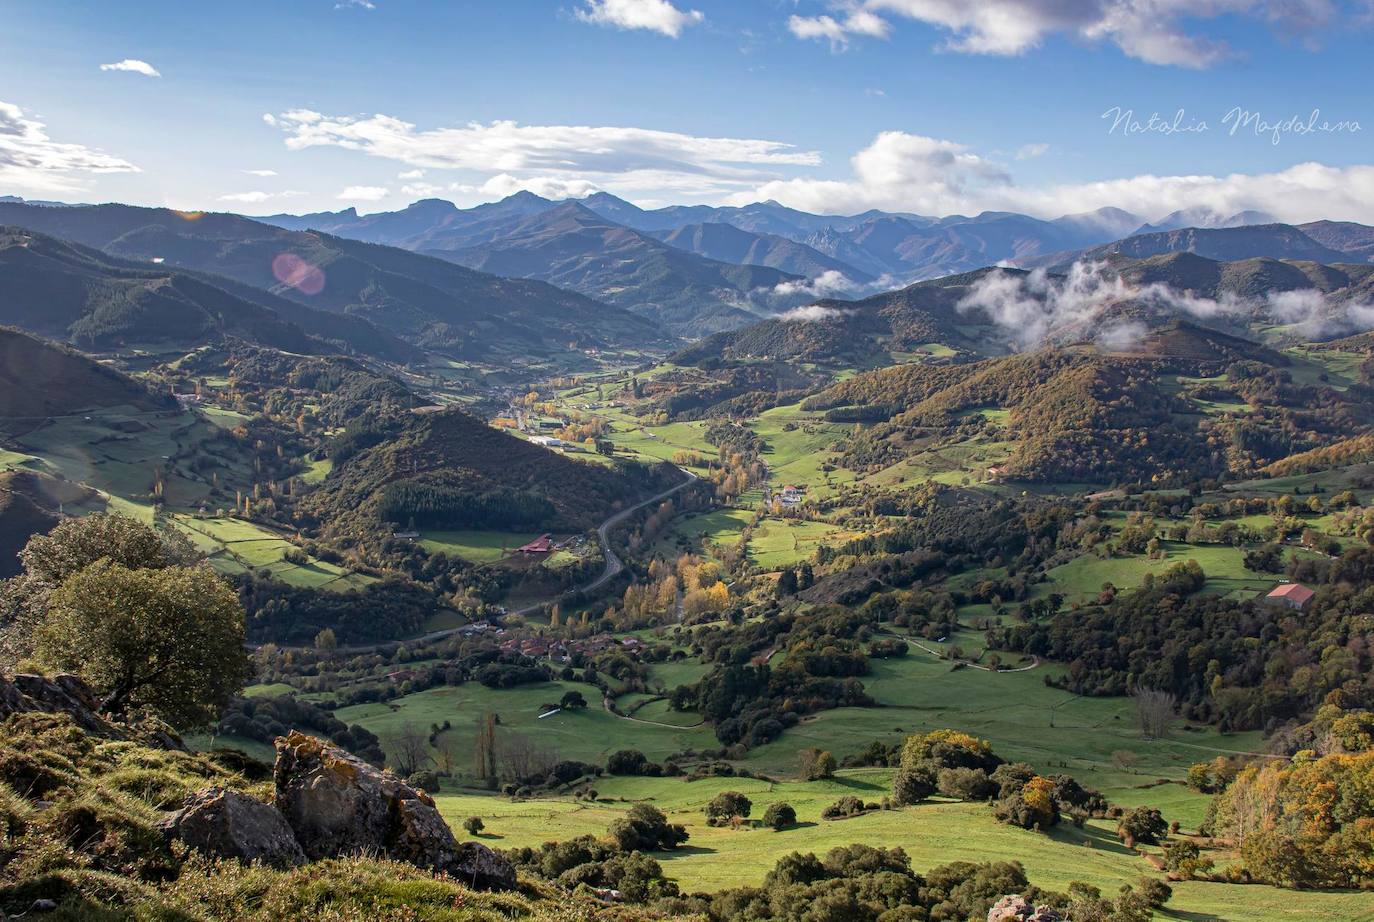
905 172
32 161
1161 32
1035 308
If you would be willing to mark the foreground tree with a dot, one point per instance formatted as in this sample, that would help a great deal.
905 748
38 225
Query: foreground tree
167 641
75 544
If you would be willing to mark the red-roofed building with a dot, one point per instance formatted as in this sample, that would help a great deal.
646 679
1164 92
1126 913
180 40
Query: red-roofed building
541 545
1294 595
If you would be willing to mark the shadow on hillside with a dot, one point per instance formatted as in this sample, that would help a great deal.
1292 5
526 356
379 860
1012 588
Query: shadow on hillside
857 784
1186 916
1099 838
684 851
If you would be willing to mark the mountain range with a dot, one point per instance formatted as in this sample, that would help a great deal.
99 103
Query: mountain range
993 311
613 250
342 286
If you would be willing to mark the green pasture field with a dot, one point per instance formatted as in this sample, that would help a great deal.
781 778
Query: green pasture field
931 834
1342 369
1332 481
721 527
318 471
588 735
1081 579
1025 720
235 545
119 452
797 455
783 542
476 546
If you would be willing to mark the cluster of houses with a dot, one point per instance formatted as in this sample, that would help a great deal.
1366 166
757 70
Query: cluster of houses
790 495
556 444
562 651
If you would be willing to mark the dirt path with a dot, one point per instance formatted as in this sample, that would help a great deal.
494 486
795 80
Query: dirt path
606 703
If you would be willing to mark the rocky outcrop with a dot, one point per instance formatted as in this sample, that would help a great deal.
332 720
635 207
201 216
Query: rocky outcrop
481 868
70 695
66 694
1014 908
337 804
229 824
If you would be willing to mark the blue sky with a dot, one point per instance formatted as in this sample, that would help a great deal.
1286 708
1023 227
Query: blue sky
932 106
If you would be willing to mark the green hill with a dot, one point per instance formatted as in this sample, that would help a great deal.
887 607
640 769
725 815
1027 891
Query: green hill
449 470
39 379
426 301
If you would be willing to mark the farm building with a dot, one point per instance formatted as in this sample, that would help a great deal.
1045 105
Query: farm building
541 545
1293 595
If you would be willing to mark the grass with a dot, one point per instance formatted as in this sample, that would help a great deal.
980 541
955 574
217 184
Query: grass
1082 579
235 546
475 546
783 542
931 834
588 735
799 448
1024 719
721 527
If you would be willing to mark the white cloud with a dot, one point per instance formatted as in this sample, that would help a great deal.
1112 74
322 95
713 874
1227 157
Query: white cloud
355 4
256 196
133 66
411 174
421 189
262 173
628 160
811 313
829 284
1156 31
902 172
1030 151
363 194
32 161
653 15
853 20
551 187
1032 308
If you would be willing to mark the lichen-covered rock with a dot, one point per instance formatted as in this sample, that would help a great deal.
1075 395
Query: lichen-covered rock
337 804
66 694
481 868
228 824
1014 908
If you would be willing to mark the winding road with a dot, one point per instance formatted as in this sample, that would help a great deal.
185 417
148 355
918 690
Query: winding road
613 568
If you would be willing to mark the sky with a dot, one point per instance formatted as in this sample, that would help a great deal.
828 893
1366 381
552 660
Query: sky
935 107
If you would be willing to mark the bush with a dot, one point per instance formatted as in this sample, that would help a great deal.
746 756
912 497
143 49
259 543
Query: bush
646 828
725 806
626 762
845 806
1143 824
966 784
817 764
474 825
425 780
912 784
779 816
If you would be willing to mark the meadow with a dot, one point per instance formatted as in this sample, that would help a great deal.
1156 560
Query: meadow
932 833
475 546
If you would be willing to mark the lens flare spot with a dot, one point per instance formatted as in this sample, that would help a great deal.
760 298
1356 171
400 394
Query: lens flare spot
290 269
189 215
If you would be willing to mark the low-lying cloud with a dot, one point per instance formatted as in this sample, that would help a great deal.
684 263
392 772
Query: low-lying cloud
1035 308
812 313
